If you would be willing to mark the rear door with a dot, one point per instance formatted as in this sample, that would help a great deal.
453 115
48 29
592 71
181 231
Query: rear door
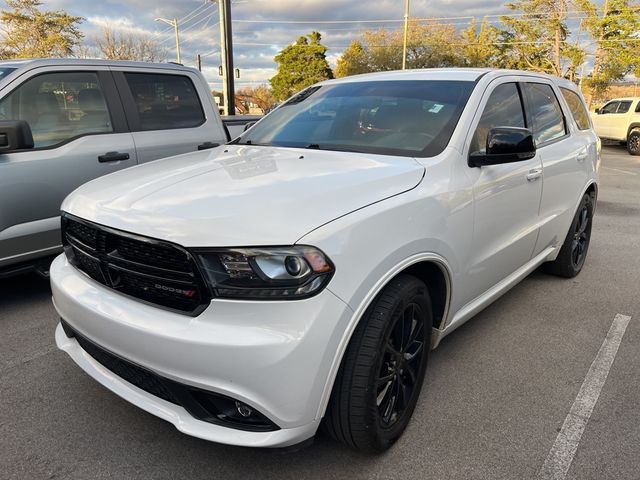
621 119
79 132
564 150
169 112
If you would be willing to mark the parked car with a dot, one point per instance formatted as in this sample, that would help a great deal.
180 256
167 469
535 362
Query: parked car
304 271
64 122
619 119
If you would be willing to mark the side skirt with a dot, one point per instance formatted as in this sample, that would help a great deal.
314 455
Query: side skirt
491 295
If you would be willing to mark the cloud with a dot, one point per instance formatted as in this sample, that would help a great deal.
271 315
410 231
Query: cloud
255 44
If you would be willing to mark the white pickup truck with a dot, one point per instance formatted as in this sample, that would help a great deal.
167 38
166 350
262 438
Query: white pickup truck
619 119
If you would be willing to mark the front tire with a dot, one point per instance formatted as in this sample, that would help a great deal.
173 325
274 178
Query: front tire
633 142
573 252
379 380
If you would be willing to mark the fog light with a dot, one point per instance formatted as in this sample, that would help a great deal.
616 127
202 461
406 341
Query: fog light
243 409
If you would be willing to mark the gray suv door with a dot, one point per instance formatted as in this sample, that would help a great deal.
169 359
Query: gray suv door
161 104
80 133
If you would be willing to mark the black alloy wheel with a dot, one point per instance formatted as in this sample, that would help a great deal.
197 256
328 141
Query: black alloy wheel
573 252
633 142
580 238
382 371
401 362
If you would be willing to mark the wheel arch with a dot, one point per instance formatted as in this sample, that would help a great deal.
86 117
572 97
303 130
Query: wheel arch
633 126
432 269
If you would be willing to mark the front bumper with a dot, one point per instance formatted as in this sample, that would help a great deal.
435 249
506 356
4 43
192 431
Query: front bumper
273 356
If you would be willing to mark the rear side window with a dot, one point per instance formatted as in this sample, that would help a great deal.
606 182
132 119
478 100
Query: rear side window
638 108
624 106
503 109
578 110
165 101
545 111
59 107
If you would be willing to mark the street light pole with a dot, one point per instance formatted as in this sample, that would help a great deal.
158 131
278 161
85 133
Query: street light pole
174 24
226 57
406 32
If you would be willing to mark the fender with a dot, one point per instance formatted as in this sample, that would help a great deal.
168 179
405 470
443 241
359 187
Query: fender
371 295
633 126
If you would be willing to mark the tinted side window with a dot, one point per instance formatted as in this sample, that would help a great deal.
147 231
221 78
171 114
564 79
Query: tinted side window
545 111
624 106
577 108
59 107
503 109
610 107
638 108
165 101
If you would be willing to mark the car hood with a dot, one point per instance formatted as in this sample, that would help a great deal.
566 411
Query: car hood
241 195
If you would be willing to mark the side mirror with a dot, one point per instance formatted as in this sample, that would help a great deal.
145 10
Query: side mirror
598 111
505 145
15 135
248 125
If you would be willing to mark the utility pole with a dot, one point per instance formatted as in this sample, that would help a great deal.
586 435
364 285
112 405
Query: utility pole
174 24
406 32
226 54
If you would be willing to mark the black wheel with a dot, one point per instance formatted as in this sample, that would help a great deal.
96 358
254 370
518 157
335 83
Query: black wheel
574 249
633 142
381 375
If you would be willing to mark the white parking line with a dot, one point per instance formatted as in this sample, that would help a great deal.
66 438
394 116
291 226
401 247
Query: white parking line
563 450
621 171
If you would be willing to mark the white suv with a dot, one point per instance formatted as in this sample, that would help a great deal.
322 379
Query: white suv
303 271
619 119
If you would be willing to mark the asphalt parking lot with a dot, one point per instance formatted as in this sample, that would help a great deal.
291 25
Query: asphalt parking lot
497 393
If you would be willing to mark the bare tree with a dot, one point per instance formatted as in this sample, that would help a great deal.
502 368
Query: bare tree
119 45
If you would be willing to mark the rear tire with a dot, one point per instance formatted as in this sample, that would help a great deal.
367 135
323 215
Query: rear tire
379 380
573 252
633 142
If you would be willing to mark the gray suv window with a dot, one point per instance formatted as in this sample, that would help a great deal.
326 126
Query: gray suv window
165 101
59 106
548 120
504 109
577 108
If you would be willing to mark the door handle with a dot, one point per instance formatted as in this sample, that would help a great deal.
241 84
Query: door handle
534 174
113 157
206 145
582 156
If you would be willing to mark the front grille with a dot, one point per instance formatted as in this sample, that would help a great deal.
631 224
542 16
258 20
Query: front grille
154 271
201 404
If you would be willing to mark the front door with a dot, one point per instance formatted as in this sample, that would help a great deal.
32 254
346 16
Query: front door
506 197
77 137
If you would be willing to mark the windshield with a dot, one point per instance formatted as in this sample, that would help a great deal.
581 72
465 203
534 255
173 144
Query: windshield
4 71
406 117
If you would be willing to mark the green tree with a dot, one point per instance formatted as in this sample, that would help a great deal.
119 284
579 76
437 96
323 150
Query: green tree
480 46
537 39
30 32
430 44
615 26
300 65
353 61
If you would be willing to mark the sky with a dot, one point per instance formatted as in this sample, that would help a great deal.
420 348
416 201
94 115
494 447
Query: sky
261 28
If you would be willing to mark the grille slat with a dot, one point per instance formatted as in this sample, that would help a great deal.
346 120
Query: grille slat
156 272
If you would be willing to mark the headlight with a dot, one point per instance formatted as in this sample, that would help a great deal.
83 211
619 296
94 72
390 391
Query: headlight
265 273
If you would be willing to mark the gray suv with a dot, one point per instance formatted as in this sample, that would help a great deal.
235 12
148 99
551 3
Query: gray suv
64 122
